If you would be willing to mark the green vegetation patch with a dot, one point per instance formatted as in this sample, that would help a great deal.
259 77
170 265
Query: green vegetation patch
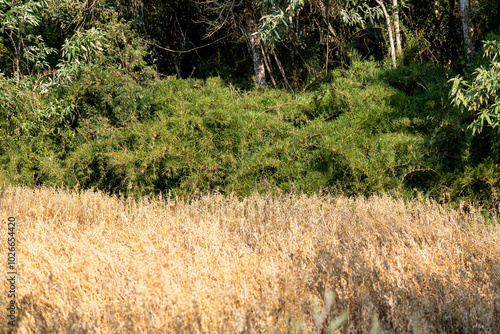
186 136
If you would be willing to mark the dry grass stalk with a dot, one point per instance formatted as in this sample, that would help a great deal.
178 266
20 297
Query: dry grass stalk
89 262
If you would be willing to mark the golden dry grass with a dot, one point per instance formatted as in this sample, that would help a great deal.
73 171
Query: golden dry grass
89 262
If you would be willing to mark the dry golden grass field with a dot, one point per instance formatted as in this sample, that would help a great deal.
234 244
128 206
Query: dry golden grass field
89 262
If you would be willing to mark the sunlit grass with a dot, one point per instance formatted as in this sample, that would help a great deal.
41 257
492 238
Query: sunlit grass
89 262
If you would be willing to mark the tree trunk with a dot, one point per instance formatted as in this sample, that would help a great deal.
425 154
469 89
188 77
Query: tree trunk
397 31
467 29
287 85
175 59
267 62
325 15
389 31
255 48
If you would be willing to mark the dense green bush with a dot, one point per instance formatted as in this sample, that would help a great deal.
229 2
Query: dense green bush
370 129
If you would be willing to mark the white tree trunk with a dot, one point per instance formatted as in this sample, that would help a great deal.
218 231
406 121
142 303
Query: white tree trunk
467 29
397 30
255 47
389 32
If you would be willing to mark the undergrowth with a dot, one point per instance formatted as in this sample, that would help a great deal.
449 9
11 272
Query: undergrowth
371 129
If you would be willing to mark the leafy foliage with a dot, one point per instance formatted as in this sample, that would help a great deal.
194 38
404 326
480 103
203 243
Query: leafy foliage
277 17
481 95
359 14
81 50
17 20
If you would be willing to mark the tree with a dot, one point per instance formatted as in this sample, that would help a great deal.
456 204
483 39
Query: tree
467 28
397 30
277 17
388 26
360 14
254 42
241 15
391 23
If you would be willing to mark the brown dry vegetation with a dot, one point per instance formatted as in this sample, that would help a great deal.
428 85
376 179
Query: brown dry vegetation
89 262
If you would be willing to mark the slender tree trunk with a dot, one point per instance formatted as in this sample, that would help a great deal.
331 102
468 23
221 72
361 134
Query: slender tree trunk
255 47
325 13
397 31
437 29
175 59
389 32
467 29
287 85
16 64
267 62
327 53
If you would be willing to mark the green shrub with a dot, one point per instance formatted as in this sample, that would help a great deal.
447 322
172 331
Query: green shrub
371 129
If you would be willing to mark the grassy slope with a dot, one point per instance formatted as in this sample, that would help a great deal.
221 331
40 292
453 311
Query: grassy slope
101 264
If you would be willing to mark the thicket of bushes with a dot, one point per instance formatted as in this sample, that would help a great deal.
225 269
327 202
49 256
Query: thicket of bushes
370 129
